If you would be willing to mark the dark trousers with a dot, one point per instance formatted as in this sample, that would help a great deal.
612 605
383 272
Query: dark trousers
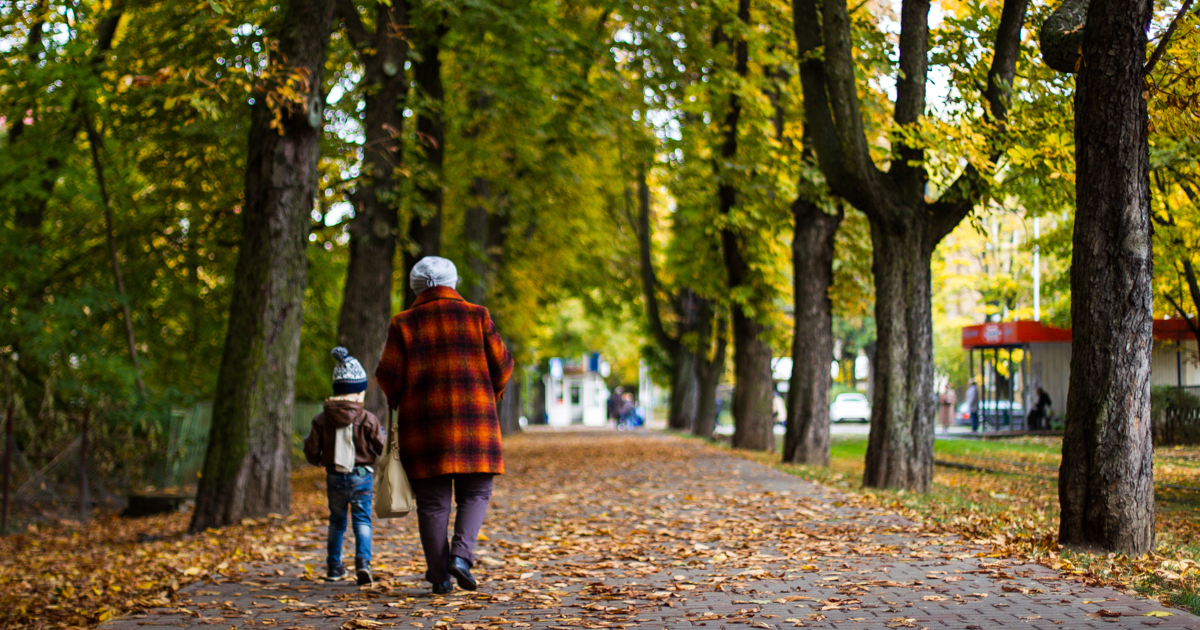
471 492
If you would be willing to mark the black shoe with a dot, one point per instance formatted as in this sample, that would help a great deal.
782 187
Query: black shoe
363 573
461 570
335 573
443 588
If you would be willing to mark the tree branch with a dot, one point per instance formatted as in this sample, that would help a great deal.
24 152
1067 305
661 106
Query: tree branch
961 196
820 130
649 280
359 37
1166 39
907 169
1061 36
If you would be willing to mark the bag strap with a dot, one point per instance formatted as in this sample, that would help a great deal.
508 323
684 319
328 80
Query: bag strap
393 441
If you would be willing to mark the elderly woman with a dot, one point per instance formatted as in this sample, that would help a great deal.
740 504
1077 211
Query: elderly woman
442 370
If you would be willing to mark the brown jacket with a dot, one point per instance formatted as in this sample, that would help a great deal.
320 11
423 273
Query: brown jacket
368 433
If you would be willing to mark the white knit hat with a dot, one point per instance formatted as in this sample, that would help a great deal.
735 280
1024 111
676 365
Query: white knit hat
349 377
433 271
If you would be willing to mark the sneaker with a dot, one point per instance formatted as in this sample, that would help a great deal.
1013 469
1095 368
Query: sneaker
335 572
363 573
443 588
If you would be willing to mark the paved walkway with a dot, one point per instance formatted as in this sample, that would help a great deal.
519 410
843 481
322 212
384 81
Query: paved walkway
607 530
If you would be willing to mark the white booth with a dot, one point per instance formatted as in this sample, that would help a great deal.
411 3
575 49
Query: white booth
580 398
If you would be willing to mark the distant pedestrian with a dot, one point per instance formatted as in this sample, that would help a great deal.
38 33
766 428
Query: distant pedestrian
628 417
778 407
443 369
614 405
946 407
347 440
972 400
1039 417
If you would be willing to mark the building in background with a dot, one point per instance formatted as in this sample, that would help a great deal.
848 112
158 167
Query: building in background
1010 360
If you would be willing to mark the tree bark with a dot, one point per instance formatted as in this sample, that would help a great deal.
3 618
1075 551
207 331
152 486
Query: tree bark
806 437
709 372
475 233
246 467
367 298
510 406
684 389
425 228
1106 479
900 445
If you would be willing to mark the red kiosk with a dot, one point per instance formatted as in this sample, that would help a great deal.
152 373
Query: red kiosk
1014 358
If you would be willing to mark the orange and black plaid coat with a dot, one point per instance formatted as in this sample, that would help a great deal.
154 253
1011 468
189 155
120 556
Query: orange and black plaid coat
442 368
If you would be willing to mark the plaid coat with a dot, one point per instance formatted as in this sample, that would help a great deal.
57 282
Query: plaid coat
442 368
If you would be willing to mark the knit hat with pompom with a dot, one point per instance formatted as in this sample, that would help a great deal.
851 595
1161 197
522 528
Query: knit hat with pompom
349 377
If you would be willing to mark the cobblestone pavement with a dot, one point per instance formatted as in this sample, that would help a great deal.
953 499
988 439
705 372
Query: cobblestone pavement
606 530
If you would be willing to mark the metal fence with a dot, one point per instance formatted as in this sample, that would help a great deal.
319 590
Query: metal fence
1175 415
189 440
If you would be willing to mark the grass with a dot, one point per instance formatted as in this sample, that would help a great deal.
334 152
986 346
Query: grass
1013 508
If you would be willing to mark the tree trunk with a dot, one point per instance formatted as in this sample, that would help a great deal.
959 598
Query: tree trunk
367 298
708 373
425 229
753 387
900 446
753 416
475 233
905 227
510 406
681 414
246 468
806 440
1106 479
684 389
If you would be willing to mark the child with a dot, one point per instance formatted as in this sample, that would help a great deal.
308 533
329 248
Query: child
347 439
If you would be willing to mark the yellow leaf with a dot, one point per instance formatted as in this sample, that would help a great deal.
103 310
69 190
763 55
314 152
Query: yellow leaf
1158 613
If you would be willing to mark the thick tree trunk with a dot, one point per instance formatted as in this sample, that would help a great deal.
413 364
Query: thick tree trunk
246 468
753 416
1106 479
426 231
905 227
684 389
367 300
900 446
510 406
475 233
708 374
806 440
753 389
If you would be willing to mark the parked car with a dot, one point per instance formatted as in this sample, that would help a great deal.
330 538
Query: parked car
850 407
995 413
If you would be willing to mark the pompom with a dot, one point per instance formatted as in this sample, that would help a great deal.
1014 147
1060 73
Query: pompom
340 353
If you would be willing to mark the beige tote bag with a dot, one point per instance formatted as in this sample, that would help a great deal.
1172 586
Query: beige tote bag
393 495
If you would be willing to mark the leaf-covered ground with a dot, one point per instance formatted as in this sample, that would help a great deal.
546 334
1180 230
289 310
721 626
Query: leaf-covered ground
1012 505
586 531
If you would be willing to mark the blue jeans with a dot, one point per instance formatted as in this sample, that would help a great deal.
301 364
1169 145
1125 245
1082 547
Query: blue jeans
353 492
974 421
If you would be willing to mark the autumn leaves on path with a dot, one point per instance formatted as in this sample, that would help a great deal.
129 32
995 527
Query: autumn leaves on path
607 530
